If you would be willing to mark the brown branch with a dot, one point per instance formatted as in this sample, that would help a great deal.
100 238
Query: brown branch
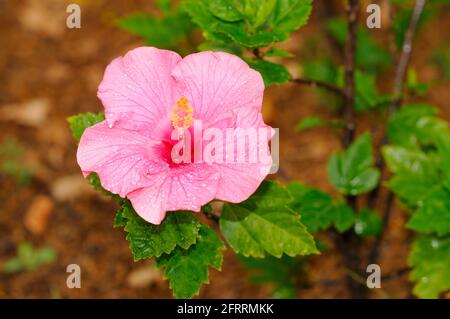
406 54
349 242
320 84
397 91
349 65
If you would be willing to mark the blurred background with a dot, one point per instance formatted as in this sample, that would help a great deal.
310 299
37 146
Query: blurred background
50 217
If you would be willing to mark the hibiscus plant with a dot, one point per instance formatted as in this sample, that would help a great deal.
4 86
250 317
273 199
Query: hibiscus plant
184 210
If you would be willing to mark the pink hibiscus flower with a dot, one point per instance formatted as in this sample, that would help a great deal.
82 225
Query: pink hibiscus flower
144 94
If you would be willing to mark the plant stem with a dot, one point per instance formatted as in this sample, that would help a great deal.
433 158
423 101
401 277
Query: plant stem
349 64
403 62
320 84
349 242
400 72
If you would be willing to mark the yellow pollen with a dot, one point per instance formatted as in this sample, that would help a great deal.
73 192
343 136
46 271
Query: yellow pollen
181 114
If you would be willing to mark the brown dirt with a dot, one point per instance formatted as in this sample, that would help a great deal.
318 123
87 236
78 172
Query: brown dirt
41 58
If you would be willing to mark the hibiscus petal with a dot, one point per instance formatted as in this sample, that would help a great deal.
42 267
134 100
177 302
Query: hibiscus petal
187 188
138 90
217 82
124 160
239 180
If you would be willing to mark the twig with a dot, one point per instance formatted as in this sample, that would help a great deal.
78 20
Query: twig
320 84
349 64
406 54
398 88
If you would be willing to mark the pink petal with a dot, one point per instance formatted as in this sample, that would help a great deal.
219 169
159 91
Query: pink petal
138 91
186 188
124 160
217 82
240 180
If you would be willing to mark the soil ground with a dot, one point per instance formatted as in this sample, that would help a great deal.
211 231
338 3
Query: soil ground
59 69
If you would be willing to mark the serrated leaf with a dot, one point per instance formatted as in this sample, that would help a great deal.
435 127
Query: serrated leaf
410 189
187 270
225 10
258 11
147 240
261 26
289 15
433 214
415 124
352 171
401 160
264 224
430 259
368 223
272 73
78 123
318 210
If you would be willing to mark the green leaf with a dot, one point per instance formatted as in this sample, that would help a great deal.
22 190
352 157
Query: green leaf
272 73
410 189
366 91
368 223
187 270
414 125
164 33
261 26
78 123
29 258
344 218
225 10
352 171
433 215
401 160
258 11
276 52
309 122
317 209
289 15
370 55
430 259
264 224
278 272
147 240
